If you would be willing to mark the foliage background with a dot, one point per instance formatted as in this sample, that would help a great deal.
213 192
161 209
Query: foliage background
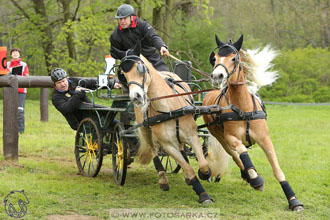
73 34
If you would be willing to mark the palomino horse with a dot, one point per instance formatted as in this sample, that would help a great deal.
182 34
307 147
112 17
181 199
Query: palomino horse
145 83
243 119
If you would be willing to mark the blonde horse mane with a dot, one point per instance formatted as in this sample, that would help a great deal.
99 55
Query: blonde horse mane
257 65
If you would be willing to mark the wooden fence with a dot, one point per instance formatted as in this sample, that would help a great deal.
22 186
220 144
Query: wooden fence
10 83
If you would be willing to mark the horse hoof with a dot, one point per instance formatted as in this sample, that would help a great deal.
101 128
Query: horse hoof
188 182
205 199
204 176
217 179
260 188
206 202
295 205
164 187
298 209
258 183
163 182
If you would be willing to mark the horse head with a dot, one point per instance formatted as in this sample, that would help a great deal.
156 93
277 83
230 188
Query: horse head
133 67
226 62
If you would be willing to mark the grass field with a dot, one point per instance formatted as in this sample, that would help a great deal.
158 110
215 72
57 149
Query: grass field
47 172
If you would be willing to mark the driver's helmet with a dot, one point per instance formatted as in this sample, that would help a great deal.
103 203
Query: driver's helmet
58 74
124 10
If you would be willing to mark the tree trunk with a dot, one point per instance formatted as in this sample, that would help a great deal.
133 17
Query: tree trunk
188 8
275 23
167 21
158 21
47 44
69 33
323 12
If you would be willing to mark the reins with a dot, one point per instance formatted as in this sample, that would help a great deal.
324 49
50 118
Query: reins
180 94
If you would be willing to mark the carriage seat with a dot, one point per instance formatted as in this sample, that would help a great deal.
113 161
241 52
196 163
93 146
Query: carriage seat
182 70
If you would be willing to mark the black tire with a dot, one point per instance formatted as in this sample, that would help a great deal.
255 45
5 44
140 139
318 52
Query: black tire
88 148
119 155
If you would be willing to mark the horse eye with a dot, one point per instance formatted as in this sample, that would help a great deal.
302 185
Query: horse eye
234 59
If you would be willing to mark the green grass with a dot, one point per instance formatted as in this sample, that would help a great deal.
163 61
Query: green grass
46 170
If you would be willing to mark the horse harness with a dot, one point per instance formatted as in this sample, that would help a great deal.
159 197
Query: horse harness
164 116
220 117
172 83
238 115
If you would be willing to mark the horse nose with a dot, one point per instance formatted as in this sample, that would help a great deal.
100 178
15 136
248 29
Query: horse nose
217 77
220 78
137 96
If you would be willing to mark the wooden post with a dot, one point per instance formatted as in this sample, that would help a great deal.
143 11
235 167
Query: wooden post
10 122
44 104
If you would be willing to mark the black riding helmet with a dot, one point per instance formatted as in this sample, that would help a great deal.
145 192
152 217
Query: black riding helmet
58 74
124 10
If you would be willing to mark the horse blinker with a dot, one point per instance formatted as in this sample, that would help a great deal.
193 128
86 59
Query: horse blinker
211 58
140 68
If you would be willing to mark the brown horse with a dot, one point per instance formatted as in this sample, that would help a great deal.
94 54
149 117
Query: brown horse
145 83
239 74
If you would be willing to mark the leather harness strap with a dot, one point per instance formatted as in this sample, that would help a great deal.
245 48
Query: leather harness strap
238 115
181 94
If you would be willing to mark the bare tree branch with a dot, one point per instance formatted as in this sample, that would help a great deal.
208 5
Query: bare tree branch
20 8
76 11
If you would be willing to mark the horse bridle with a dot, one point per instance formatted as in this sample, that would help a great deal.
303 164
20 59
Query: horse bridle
237 63
141 68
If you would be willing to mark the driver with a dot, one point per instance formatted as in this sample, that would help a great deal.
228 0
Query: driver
130 29
67 96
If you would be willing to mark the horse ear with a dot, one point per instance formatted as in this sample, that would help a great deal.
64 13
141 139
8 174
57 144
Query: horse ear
120 54
219 43
238 43
211 58
137 48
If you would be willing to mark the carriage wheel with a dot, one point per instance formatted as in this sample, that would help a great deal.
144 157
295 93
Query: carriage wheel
169 164
119 155
88 149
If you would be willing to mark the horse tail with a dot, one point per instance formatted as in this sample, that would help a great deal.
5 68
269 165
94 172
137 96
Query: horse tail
145 152
217 157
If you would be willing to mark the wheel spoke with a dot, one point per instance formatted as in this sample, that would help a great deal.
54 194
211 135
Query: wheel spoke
85 161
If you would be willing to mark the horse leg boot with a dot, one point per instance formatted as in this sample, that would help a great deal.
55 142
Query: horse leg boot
294 203
255 180
200 191
163 182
